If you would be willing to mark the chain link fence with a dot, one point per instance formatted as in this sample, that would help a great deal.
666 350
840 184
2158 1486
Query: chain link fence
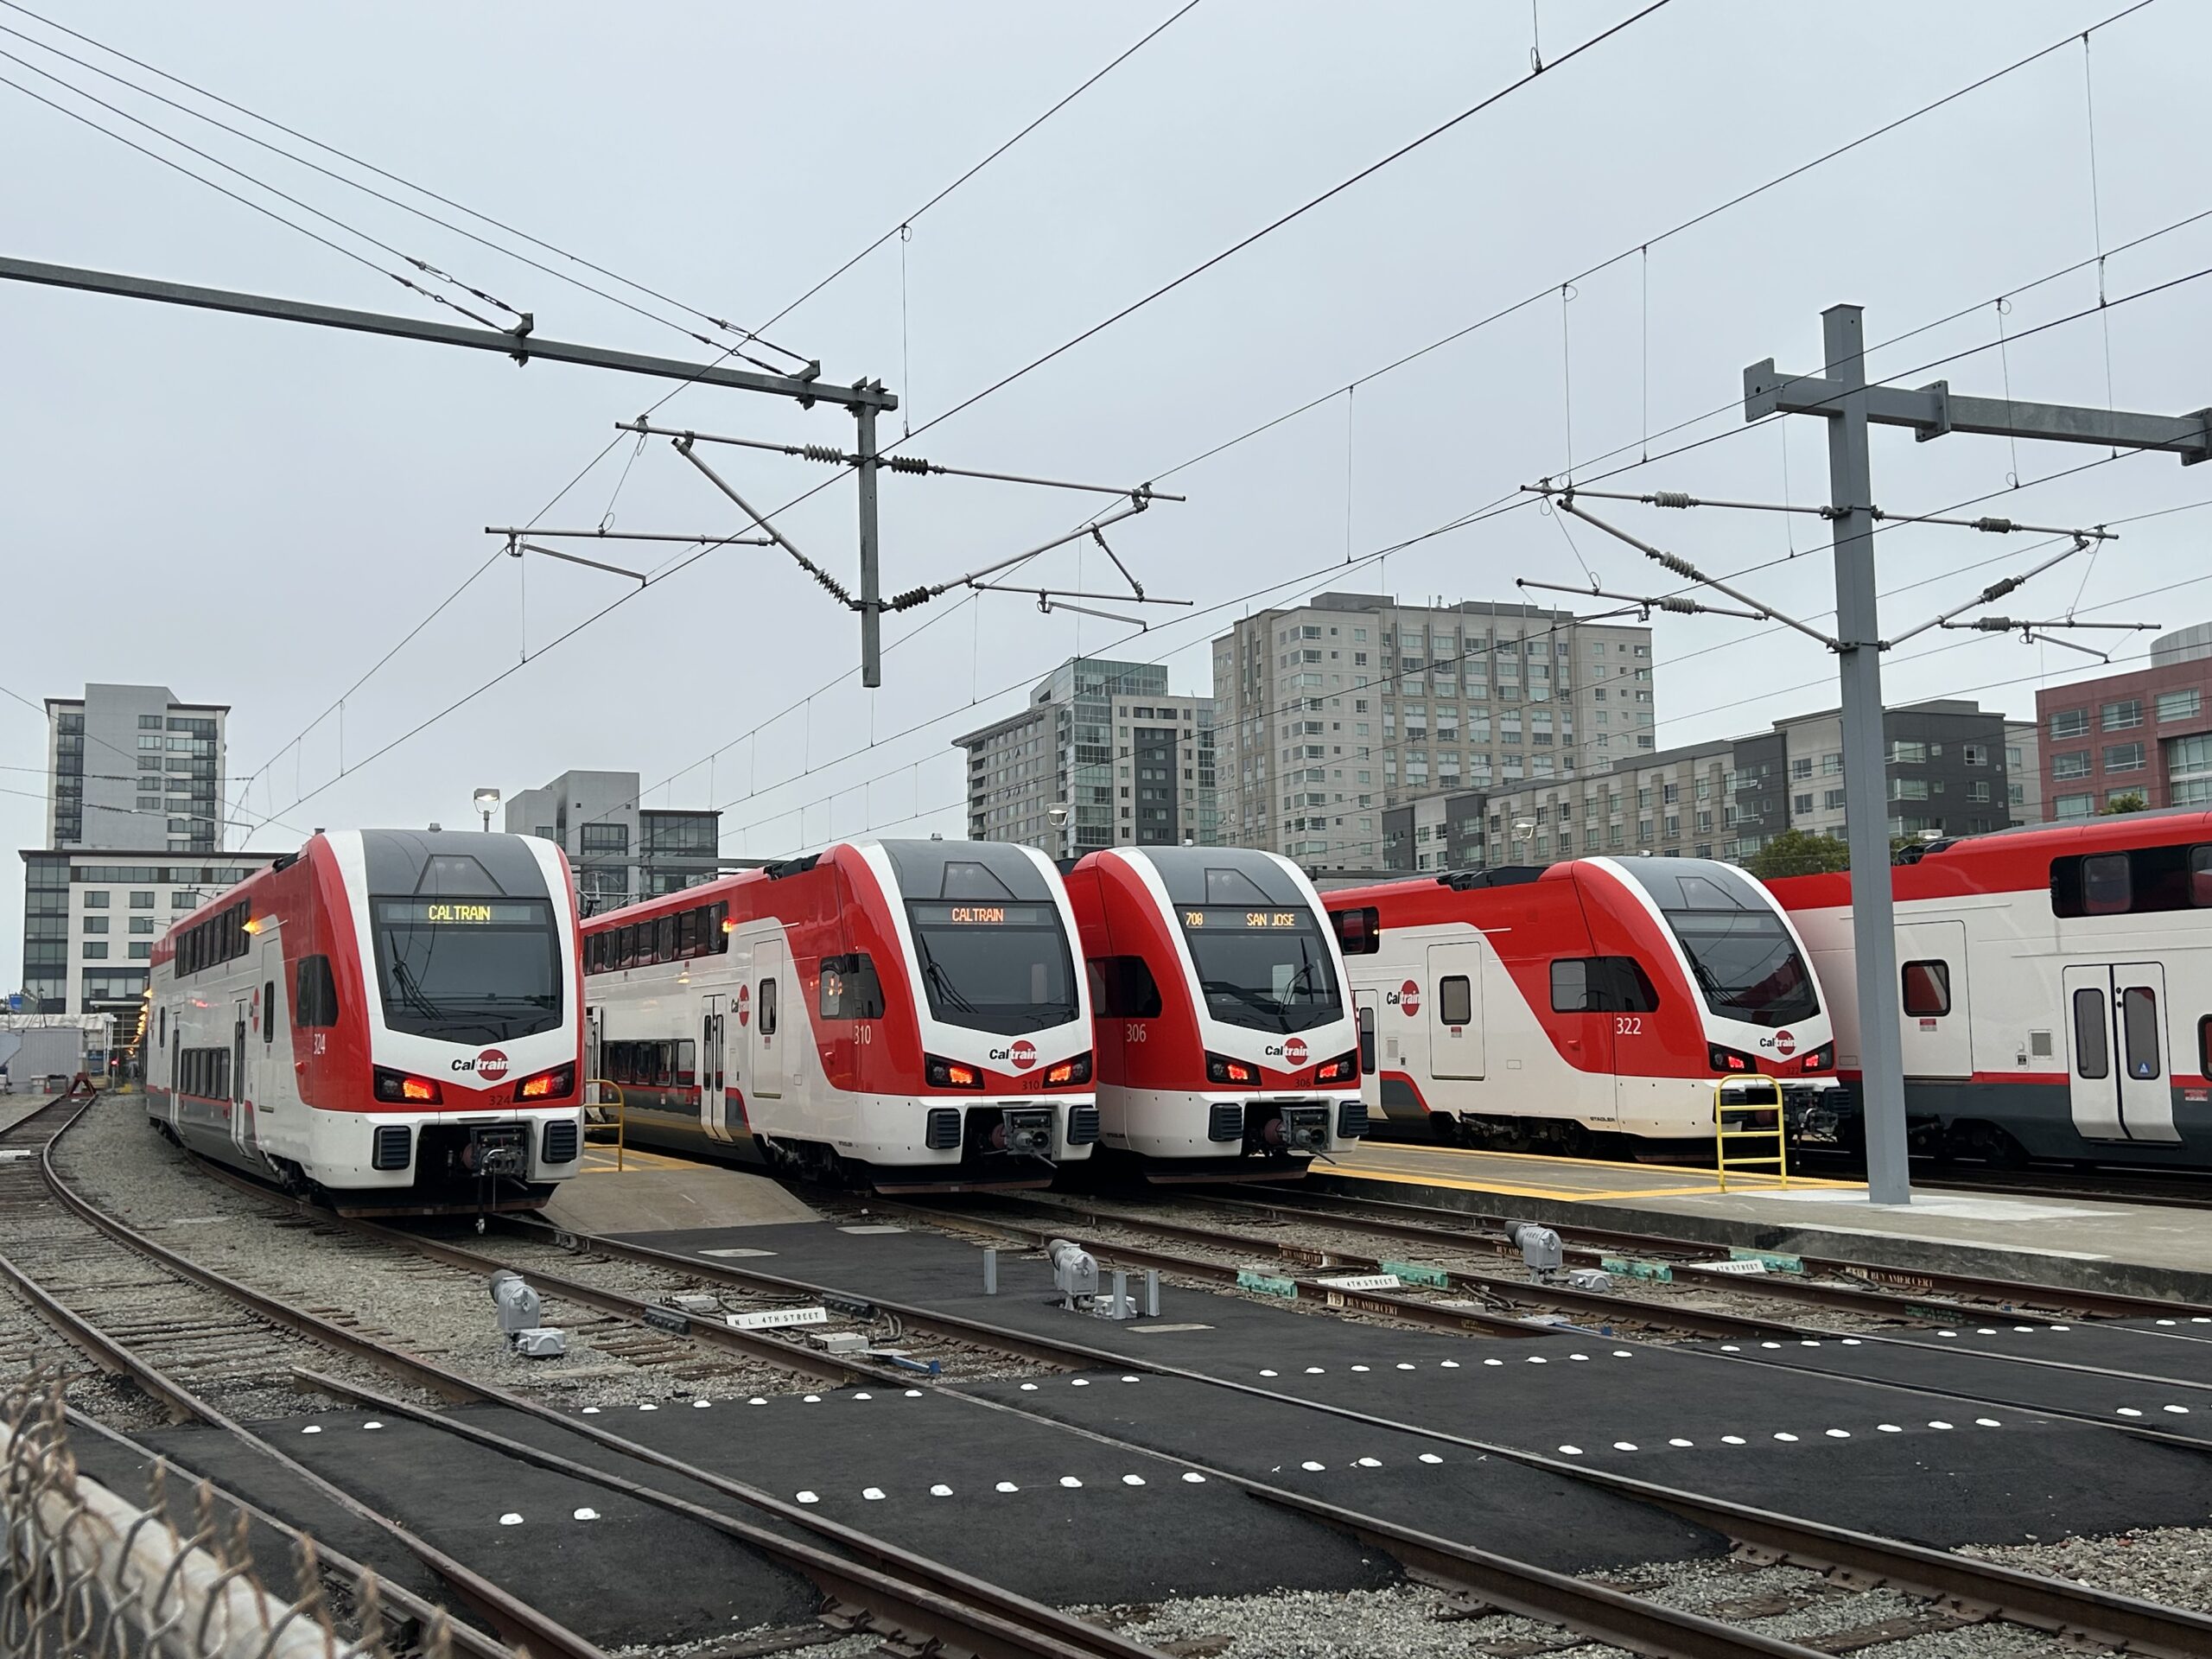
85 1572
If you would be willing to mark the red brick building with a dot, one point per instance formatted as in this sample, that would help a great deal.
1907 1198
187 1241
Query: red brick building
2147 731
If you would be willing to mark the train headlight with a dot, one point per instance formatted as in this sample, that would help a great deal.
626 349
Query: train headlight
1068 1073
1821 1058
388 1084
1729 1059
950 1074
1221 1068
557 1084
1343 1069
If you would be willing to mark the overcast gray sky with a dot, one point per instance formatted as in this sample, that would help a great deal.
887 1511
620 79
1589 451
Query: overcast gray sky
254 513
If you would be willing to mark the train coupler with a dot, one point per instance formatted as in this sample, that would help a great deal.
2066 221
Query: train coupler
1299 1129
1030 1132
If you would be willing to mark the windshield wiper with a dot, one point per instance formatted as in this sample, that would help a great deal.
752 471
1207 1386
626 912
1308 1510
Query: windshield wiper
943 981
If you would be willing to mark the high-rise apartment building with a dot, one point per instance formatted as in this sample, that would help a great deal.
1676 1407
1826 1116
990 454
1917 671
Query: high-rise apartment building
128 767
1951 771
1126 762
1332 713
619 852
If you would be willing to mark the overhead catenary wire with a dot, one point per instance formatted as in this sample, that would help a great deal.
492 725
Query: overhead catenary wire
746 334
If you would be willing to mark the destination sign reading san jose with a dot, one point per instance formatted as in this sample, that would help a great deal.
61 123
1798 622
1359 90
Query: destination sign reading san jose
457 913
1219 916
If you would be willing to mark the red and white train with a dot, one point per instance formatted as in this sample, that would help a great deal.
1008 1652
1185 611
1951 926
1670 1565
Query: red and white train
387 1018
1543 1007
2054 989
1225 1040
905 1013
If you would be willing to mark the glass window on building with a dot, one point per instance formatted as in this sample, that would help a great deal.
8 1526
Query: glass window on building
142 901
2123 716
2179 705
2070 722
2072 806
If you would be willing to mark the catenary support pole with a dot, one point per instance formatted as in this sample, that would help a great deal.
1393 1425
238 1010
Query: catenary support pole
1865 764
871 604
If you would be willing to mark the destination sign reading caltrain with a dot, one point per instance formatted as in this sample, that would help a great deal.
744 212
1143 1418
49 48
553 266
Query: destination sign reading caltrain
986 915
449 911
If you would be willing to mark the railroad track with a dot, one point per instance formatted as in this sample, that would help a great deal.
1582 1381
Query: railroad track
867 1584
1946 1586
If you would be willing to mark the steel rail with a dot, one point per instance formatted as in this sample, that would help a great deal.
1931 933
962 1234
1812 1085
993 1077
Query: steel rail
466 1637
940 1601
1782 1287
514 1620
1699 1320
2093 1615
2111 1304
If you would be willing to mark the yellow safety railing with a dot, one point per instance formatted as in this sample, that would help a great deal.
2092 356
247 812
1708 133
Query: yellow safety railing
596 1091
1732 1120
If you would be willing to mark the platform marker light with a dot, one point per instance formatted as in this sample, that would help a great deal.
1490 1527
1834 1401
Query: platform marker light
1572 1450
372 1423
1270 1373
755 1401
1623 1353
1194 1477
1578 1356
1132 1480
1370 1462
1851 1341
1730 1348
1069 1480
811 1400
2068 1328
1312 1467
2129 1411
809 1498
940 1491
511 1519
1405 1365
1844 1434
1314 1370
1359 1368
1889 1428
1430 1457
873 1494
857 1396
1681 1442
1450 1364
2178 1411
593 1411
1079 1382
1623 1445
587 1513
649 1406
1493 1362
1537 1359
1989 1423
312 1428
1734 1440
1784 1434
1936 1423
701 1405
1006 1486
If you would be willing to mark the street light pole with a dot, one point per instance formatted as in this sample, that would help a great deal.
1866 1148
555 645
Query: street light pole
488 803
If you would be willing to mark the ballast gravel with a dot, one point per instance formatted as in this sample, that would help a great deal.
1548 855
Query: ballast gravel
2169 1565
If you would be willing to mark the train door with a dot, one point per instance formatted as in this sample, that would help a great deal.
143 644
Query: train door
769 980
244 1015
2116 1047
594 1064
1455 1010
1935 1034
2115 1043
716 1117
1367 1005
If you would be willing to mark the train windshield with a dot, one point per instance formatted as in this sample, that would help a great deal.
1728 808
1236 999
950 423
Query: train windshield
994 966
471 970
1743 957
1266 969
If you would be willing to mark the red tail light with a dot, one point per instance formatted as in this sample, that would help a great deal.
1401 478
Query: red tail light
950 1074
1221 1068
557 1084
1728 1059
1068 1073
1821 1058
1343 1069
388 1084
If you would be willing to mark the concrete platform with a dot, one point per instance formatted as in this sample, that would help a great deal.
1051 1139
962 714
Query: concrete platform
652 1192
2140 1250
1857 1450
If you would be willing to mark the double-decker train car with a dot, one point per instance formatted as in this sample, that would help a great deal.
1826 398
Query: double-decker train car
1225 1039
908 1014
390 1019
1546 1007
2054 993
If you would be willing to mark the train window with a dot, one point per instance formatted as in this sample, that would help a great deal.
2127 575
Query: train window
1455 1001
1359 932
268 1012
718 932
687 932
314 993
626 950
1927 989
1367 1042
2092 1037
767 1015
2105 885
849 987
2200 876
2139 1029
162 1028
1602 985
687 1063
664 939
2204 1046
1122 988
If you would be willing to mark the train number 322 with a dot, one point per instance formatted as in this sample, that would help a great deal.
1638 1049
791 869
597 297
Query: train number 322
1628 1025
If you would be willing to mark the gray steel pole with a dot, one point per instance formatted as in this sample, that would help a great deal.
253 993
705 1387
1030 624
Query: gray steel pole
871 574
1866 762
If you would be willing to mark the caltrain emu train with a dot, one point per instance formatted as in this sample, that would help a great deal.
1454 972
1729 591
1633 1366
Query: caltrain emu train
907 1013
1559 1007
388 1019
2054 993
1224 1036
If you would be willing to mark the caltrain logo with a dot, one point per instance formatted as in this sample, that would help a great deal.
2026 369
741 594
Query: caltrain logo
1294 1051
1407 996
1023 1054
490 1065
1784 1044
